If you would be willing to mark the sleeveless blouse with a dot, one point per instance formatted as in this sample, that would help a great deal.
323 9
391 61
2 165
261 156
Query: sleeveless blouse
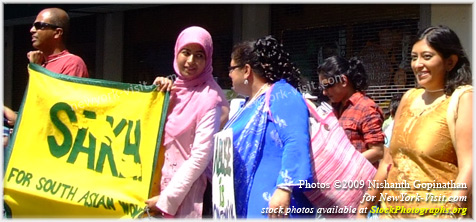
422 152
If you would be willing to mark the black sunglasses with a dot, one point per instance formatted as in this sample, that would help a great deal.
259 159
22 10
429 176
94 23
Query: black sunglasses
43 25
231 68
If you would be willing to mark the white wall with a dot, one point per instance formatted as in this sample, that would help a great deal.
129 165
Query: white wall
459 18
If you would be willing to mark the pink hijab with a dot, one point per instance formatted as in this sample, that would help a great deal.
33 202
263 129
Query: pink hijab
192 98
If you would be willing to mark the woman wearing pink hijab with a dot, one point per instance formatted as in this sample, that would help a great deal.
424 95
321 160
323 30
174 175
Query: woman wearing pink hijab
195 107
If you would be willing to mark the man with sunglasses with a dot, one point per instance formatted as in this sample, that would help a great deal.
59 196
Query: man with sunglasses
48 36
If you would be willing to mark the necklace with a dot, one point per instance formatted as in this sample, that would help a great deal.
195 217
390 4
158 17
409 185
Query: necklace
426 104
432 91
430 107
257 93
238 113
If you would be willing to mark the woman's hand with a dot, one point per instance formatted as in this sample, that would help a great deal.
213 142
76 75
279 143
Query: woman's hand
279 204
152 202
163 84
10 115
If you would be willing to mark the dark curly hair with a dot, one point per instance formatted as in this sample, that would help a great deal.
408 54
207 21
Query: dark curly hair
446 42
268 59
334 66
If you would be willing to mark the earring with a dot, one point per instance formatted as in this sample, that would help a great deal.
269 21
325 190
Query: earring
246 82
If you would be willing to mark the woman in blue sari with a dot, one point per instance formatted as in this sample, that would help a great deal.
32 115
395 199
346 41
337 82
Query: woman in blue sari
270 133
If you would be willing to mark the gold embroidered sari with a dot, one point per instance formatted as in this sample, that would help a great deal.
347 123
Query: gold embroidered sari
422 153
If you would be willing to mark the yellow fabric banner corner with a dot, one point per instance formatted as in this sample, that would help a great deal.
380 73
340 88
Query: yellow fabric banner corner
83 148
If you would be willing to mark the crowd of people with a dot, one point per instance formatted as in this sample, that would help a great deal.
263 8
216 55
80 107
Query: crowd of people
423 142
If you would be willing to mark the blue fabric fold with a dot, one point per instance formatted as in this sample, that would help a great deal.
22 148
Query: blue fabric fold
271 152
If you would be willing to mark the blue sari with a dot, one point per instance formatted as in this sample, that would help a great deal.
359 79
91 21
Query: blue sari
271 152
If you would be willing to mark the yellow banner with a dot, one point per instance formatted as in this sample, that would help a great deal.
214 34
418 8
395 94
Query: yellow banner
83 148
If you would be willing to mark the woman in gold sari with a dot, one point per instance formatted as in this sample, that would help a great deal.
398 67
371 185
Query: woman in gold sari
430 153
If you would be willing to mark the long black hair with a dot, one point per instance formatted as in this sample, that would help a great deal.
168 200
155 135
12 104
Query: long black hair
446 42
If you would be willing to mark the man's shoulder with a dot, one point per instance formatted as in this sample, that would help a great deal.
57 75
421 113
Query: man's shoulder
73 65
75 58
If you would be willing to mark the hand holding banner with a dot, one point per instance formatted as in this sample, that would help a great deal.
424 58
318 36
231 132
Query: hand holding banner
83 147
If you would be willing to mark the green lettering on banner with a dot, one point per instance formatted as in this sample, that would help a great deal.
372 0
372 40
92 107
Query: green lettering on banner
131 143
133 148
78 147
131 209
21 177
223 194
106 151
89 114
56 149
53 187
91 199
221 166
68 163
119 126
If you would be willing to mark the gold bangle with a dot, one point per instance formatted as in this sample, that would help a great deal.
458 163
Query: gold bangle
450 206
455 205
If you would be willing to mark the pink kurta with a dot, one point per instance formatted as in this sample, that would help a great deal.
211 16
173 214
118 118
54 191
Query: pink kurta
183 180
